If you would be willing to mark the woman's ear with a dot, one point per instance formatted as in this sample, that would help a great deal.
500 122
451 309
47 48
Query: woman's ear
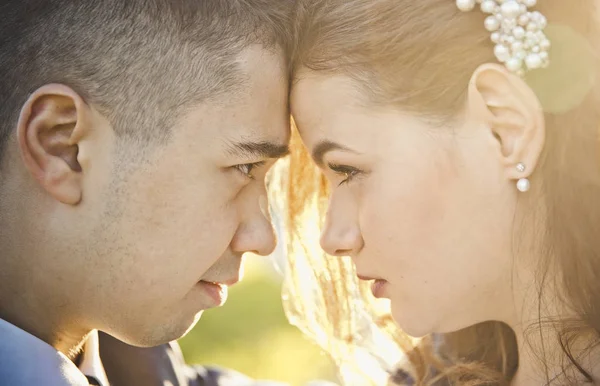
514 116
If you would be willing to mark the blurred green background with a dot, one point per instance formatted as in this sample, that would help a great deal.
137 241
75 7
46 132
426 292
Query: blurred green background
251 334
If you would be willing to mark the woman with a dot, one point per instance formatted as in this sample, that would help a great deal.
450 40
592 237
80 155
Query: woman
459 143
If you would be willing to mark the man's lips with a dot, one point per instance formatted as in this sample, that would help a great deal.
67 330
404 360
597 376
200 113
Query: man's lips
217 292
223 282
218 289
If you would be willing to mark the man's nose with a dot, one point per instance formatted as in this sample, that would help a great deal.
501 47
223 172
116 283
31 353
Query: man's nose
256 234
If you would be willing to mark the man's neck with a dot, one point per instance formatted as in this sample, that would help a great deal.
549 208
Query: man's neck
61 335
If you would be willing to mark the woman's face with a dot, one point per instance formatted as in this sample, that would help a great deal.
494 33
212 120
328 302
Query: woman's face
427 209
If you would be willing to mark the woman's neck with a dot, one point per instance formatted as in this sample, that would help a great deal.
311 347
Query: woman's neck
542 356
555 367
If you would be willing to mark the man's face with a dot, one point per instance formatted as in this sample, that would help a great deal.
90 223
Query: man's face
152 237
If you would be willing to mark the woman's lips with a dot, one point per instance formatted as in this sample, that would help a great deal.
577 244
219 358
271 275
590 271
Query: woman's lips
377 287
366 278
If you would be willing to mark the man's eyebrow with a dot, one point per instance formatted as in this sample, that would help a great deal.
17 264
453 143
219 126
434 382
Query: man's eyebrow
262 149
324 147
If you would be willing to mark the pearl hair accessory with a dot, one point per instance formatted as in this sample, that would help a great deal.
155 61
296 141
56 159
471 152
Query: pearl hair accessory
518 33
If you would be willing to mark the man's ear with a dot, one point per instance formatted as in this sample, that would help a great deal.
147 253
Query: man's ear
52 122
513 113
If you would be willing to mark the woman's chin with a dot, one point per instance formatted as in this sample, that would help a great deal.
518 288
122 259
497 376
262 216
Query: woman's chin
411 322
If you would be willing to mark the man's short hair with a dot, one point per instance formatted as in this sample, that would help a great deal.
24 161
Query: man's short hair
138 61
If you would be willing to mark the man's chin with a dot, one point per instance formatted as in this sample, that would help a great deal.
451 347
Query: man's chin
178 332
157 333
192 325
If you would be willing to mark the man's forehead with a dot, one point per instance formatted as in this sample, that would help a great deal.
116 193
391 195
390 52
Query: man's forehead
256 112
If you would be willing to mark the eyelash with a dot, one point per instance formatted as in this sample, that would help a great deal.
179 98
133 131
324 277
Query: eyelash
251 166
348 171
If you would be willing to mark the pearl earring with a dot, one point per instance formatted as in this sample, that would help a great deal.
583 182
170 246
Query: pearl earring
523 185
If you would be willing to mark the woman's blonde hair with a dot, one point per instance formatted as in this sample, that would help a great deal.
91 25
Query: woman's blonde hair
419 56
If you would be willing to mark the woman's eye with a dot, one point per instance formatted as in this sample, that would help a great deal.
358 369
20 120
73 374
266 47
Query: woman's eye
246 169
348 172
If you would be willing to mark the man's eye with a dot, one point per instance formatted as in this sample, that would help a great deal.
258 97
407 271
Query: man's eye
246 169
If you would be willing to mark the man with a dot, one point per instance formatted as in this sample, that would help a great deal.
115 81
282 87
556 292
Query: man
135 137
